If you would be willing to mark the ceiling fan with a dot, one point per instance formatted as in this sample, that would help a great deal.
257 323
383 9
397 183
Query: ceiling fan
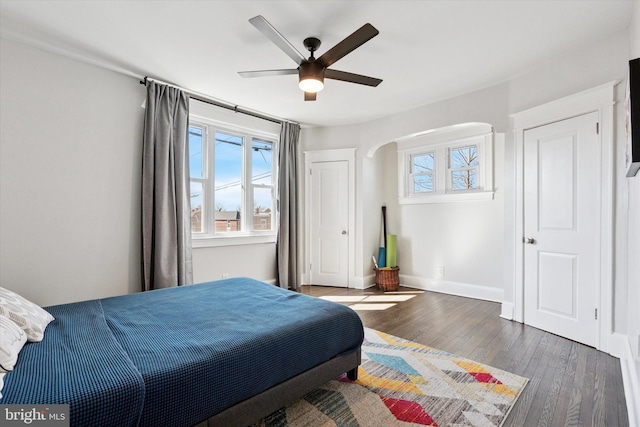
312 71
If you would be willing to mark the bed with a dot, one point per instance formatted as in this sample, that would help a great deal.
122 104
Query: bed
221 353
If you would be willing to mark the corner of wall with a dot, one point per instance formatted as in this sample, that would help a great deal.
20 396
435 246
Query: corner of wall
363 282
506 310
630 376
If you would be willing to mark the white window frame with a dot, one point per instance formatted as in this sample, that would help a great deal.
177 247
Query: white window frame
413 174
443 191
211 238
479 168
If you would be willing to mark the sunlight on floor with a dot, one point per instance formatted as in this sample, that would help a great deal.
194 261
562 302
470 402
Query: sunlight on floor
372 302
388 298
376 306
404 292
367 298
344 298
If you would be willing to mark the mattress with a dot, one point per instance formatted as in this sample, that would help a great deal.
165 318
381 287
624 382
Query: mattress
78 363
177 356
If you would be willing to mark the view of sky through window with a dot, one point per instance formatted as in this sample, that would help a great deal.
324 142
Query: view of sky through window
228 172
422 172
230 192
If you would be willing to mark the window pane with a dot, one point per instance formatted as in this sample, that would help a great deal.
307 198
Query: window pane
422 163
261 159
463 157
262 208
195 152
196 208
464 180
228 182
423 183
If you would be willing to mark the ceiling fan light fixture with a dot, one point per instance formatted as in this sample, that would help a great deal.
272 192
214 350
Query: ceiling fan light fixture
311 84
310 77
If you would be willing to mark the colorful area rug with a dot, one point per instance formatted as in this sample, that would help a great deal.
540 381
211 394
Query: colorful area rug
402 383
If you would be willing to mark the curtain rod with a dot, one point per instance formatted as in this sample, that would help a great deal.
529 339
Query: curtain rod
208 100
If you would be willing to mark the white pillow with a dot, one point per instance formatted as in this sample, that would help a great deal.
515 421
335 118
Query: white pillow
30 317
12 339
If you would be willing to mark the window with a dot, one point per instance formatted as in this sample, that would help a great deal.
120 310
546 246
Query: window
463 168
422 167
232 181
446 166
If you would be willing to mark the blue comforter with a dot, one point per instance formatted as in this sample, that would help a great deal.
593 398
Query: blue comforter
174 357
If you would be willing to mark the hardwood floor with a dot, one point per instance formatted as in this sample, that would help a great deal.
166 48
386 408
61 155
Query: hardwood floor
570 384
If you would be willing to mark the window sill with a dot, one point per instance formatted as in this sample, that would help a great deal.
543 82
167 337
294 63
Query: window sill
247 239
445 198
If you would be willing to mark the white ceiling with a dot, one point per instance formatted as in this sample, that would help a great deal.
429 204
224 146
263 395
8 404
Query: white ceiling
426 50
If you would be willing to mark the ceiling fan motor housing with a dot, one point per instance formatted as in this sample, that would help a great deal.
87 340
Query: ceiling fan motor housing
312 70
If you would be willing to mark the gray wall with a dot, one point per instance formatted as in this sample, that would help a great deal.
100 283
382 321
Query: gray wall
70 159
69 178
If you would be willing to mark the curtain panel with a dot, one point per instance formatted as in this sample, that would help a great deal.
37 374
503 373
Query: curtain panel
166 205
287 250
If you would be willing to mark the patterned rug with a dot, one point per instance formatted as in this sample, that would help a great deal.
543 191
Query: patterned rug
402 383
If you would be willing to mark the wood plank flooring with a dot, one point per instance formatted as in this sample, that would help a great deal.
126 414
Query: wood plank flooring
570 384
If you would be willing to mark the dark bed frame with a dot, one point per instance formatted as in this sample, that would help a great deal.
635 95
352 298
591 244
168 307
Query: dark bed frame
259 406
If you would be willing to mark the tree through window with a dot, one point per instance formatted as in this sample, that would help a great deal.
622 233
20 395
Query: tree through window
447 166
463 167
422 168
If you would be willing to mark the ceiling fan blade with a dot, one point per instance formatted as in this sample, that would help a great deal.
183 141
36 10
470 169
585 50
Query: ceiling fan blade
351 78
278 39
310 96
349 44
267 73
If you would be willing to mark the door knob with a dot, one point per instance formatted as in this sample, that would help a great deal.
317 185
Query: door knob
344 232
529 240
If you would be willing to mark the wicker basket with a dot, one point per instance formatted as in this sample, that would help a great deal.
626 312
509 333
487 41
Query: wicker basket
388 279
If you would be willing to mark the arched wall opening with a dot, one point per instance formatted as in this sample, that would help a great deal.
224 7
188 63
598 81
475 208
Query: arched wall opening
450 246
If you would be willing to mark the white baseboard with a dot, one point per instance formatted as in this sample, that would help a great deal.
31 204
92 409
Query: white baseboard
630 377
618 344
506 311
453 288
355 282
363 282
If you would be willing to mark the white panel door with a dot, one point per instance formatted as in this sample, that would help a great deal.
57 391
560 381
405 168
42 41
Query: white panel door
562 228
329 223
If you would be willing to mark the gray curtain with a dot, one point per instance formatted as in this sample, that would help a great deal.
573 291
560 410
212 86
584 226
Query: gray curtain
166 206
289 227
